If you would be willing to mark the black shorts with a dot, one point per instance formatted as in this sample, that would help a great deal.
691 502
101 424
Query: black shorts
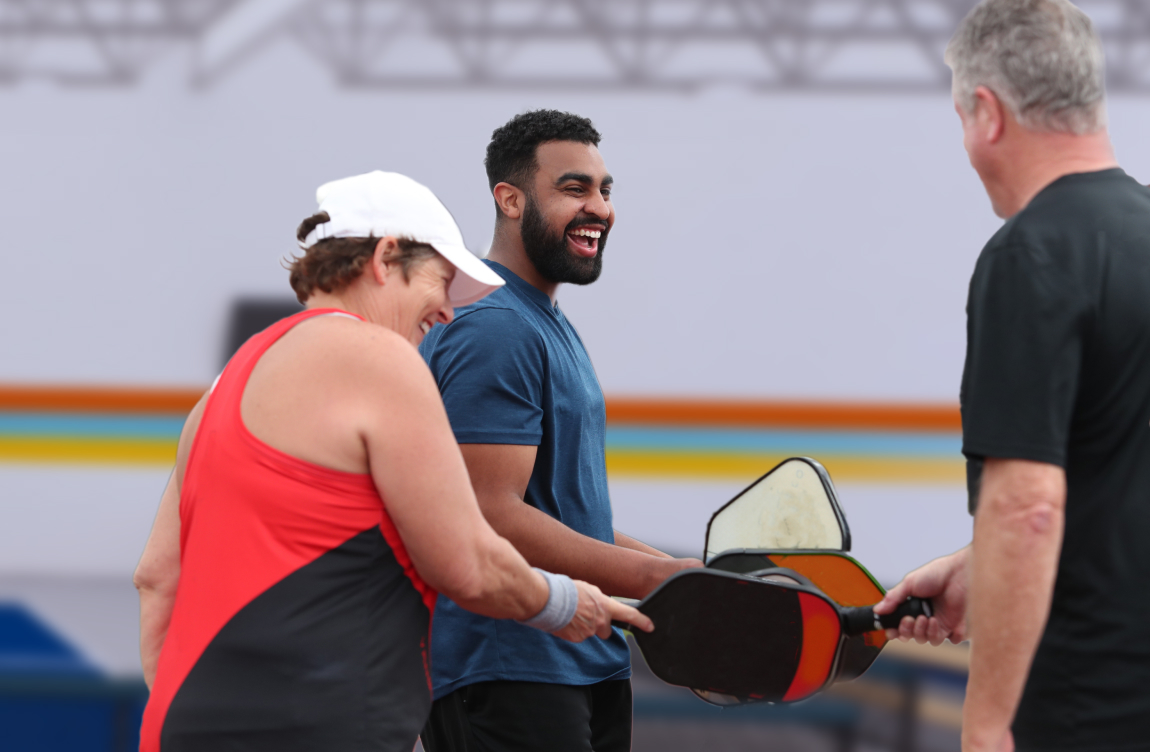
508 716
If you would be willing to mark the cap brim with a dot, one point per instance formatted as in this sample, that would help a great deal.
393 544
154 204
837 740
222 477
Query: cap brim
474 279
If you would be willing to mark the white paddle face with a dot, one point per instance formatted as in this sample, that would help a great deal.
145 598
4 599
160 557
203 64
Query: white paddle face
787 509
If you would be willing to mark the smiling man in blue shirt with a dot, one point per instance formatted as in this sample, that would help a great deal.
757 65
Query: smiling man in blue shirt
528 412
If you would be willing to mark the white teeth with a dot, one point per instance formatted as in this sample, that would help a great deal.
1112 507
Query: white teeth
425 327
589 233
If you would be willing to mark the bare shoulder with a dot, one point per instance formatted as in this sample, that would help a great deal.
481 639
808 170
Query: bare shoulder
362 354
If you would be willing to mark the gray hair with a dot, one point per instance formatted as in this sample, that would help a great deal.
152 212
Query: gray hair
1042 59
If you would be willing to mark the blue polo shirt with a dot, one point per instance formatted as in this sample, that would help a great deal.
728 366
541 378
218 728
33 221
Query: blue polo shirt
512 370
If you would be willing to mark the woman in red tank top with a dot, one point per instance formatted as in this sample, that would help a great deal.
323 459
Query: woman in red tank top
319 502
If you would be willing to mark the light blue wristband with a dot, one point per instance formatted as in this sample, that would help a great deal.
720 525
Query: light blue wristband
562 601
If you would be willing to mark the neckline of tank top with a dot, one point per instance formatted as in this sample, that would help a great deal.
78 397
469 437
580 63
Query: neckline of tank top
332 312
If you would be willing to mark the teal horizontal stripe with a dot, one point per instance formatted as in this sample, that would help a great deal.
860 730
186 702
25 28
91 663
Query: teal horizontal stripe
895 444
857 443
90 426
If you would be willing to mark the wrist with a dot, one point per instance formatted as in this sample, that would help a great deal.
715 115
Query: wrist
562 602
657 571
986 717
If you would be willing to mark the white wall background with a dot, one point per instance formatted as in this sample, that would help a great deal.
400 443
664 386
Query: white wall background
767 246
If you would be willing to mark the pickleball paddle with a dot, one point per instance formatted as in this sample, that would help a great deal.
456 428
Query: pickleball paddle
736 638
781 611
838 576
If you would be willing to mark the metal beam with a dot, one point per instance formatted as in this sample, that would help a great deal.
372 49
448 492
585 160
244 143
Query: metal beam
95 41
240 32
830 45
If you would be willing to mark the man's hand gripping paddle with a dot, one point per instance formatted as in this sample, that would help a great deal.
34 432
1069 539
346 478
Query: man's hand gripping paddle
780 612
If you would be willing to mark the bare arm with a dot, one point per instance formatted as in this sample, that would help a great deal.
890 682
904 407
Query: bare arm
421 476
158 573
1017 541
627 541
500 472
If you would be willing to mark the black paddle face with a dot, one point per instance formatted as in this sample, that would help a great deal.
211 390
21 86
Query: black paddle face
736 636
838 576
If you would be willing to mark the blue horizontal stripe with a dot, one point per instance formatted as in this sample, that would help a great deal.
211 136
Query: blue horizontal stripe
785 442
90 426
905 444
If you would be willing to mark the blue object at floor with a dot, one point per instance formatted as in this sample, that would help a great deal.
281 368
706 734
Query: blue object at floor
54 700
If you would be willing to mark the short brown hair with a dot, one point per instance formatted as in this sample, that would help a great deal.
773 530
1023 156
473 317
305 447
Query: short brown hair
334 263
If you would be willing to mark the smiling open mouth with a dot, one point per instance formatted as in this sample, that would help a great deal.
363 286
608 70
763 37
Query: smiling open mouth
585 240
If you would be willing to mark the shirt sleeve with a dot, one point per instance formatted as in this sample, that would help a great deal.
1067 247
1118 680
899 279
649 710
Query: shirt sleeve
489 365
1026 322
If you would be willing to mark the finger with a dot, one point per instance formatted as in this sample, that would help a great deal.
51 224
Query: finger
602 619
893 598
921 625
906 628
935 633
634 617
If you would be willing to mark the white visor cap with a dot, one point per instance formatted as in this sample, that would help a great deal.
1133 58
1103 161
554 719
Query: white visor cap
384 204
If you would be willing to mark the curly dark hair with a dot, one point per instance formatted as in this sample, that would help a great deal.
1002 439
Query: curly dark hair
334 263
511 153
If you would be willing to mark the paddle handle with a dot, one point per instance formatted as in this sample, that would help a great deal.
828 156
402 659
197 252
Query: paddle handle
863 619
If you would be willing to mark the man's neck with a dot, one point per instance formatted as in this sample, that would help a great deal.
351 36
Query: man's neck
507 249
1042 158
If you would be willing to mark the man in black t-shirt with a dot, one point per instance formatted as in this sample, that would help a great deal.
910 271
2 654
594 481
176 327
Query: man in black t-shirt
1055 401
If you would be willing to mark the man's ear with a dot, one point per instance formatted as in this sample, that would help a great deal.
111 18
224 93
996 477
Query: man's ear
990 115
509 199
384 250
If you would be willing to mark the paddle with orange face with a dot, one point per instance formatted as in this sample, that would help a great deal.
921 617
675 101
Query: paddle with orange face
836 575
791 518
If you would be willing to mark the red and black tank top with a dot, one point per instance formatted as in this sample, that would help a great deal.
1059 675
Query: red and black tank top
299 621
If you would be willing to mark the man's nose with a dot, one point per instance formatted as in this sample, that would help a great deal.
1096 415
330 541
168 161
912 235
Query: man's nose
597 206
446 313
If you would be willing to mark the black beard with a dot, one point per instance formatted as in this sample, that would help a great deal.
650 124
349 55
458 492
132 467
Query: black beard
548 251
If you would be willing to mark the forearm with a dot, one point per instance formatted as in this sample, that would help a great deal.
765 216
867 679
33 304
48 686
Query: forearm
500 584
1014 564
627 541
549 544
155 616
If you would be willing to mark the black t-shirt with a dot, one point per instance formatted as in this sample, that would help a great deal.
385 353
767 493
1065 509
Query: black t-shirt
1058 371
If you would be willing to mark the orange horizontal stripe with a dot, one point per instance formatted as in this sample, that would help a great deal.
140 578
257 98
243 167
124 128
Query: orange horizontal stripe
754 414
98 399
620 410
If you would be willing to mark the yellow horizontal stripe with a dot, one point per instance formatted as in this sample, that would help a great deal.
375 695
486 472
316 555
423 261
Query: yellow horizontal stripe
622 464
110 451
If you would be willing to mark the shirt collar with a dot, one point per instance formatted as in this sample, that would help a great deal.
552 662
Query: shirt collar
523 288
